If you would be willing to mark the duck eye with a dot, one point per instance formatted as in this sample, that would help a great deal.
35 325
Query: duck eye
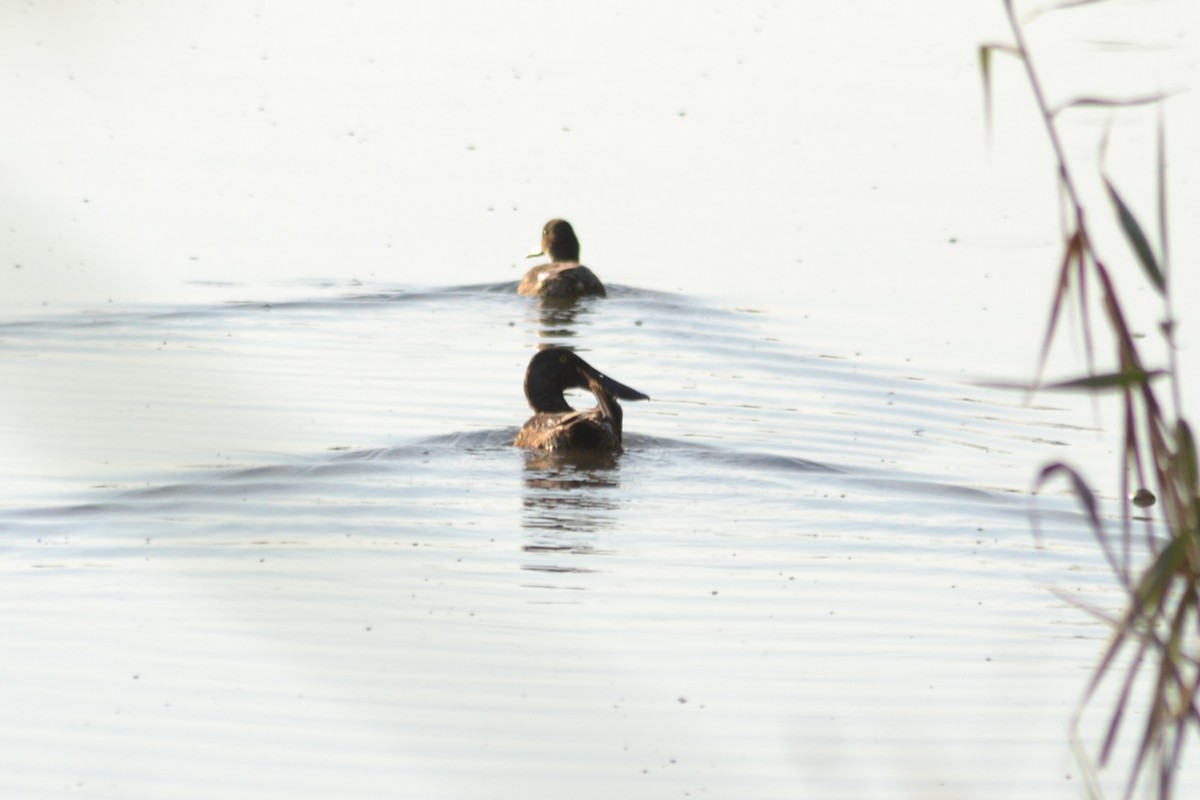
563 359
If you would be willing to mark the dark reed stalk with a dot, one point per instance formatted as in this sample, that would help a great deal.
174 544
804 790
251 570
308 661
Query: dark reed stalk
1156 637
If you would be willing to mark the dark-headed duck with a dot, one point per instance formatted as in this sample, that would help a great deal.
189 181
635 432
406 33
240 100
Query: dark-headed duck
554 424
564 276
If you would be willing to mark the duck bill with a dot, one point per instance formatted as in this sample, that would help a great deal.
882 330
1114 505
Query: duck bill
536 253
614 388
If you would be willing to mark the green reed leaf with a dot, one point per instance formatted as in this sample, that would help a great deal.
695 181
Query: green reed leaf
1111 380
1185 450
1154 586
985 72
1137 239
1007 49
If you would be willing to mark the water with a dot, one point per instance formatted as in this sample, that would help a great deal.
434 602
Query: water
299 556
263 531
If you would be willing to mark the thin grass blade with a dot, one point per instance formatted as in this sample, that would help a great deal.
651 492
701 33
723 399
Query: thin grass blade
1137 239
1082 491
1072 254
1123 635
1110 102
1059 7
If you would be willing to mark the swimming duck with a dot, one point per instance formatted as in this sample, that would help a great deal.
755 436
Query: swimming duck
555 425
564 276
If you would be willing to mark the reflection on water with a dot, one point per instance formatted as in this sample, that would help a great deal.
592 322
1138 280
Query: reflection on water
767 543
569 496
570 491
559 318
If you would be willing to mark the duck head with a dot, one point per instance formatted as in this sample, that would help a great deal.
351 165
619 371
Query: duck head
555 369
558 242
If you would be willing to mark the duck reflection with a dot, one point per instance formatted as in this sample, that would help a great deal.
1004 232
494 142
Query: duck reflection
571 491
560 318
569 497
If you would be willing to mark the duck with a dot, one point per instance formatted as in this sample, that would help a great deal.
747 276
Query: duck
554 424
564 277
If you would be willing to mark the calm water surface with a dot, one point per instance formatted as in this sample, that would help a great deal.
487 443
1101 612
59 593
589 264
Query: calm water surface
286 549
264 536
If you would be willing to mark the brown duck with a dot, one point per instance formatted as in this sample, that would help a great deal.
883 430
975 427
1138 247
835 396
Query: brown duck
564 276
555 425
